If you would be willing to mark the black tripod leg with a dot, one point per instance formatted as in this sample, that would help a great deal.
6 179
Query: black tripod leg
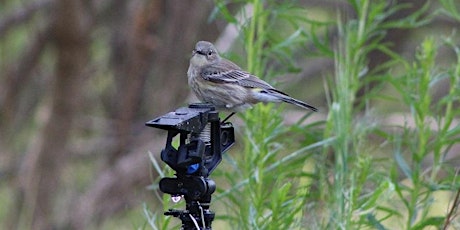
228 117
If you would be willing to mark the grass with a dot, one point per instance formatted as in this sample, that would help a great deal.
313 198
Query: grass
330 174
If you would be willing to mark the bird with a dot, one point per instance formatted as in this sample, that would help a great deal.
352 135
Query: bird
223 84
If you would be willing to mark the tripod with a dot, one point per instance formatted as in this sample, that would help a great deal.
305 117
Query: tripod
203 140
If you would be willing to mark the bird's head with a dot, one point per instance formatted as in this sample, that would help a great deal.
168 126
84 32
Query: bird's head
204 54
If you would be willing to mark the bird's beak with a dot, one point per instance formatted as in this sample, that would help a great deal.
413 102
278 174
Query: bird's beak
198 52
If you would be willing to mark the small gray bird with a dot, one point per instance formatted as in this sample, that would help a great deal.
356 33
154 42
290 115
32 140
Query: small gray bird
225 85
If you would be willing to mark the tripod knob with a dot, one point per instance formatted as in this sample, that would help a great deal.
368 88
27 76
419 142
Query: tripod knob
191 187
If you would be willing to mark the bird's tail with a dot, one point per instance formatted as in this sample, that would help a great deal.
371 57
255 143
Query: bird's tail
286 98
299 103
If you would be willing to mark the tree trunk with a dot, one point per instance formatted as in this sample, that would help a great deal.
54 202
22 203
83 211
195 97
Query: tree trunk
40 173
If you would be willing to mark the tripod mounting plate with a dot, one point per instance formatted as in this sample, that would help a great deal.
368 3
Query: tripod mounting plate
189 119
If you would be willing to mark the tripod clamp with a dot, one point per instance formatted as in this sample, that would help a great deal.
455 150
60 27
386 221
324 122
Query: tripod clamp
203 140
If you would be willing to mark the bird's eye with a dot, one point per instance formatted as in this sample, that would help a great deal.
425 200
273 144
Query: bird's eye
210 53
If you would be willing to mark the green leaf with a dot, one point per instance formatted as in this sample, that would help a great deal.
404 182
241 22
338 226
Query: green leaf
374 222
402 164
431 221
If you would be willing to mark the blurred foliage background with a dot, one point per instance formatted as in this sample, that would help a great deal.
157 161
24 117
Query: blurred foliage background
79 78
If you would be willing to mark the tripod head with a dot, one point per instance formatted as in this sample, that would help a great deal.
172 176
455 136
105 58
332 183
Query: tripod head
203 140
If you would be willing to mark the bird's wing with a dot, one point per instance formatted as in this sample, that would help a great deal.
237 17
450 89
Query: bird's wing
228 72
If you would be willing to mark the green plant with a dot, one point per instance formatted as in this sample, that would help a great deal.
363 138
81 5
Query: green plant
267 189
